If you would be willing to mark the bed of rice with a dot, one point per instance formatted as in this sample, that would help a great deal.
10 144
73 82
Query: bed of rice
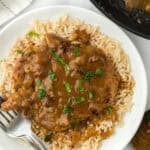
63 27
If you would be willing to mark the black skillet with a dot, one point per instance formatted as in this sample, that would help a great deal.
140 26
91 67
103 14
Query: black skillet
136 21
141 140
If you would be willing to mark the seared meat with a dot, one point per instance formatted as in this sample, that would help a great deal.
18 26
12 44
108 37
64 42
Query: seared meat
63 85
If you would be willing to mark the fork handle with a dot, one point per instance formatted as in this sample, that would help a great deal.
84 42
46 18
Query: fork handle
34 141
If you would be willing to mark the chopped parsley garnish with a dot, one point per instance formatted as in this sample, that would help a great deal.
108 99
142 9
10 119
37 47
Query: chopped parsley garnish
99 72
59 59
79 86
91 95
110 109
80 99
88 75
67 109
74 122
41 93
48 138
18 51
69 102
52 75
67 86
39 83
2 60
66 67
33 34
77 51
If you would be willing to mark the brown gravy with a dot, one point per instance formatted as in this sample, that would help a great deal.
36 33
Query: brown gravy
63 85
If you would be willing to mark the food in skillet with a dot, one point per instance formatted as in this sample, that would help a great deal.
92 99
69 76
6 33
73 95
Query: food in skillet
134 15
72 81
139 10
141 140
140 4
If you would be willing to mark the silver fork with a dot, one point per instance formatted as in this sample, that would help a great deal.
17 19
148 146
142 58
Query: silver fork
7 122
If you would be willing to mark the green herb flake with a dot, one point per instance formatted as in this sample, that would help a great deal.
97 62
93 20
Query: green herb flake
81 89
66 67
79 86
110 109
74 122
33 34
39 83
69 102
52 75
88 75
77 51
91 95
18 51
99 72
67 87
41 93
67 109
59 59
2 60
80 99
48 138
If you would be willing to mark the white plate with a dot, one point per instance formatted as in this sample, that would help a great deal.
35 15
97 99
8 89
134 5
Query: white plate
132 119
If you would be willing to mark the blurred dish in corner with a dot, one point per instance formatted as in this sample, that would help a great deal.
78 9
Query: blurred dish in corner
133 15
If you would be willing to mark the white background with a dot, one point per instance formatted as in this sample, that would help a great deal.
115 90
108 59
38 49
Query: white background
142 44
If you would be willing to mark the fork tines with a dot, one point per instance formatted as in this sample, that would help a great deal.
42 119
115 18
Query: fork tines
7 118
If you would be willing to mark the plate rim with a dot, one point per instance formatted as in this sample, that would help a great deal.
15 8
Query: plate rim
108 20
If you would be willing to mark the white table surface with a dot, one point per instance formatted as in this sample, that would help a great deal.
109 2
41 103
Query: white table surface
143 46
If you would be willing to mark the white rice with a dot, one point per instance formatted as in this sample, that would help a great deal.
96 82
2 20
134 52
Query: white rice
64 27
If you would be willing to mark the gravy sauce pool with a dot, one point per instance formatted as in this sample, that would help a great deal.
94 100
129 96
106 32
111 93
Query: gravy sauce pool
63 85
